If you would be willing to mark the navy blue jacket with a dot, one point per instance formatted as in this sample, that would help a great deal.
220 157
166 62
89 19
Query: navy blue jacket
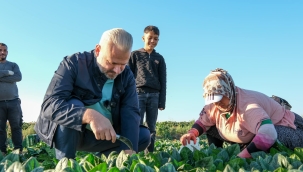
78 76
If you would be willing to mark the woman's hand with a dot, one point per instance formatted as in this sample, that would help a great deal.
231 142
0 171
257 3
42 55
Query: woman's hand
186 138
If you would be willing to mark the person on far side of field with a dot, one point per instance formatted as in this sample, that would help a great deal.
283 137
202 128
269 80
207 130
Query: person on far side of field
10 103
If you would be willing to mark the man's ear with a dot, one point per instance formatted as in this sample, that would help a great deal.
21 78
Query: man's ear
97 50
143 38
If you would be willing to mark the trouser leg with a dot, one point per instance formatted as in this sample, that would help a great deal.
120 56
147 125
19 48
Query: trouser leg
142 105
290 137
151 117
15 121
3 120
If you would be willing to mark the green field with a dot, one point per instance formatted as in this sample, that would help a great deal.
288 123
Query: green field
167 157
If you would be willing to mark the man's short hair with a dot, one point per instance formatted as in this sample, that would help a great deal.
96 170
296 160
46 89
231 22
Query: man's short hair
152 28
120 37
2 44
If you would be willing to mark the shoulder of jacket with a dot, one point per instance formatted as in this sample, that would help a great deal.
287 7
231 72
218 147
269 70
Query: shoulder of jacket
157 54
79 56
141 50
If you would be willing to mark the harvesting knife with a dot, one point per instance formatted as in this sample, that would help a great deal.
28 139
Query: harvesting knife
125 141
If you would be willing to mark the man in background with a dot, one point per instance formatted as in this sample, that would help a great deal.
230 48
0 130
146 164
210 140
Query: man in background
149 69
10 108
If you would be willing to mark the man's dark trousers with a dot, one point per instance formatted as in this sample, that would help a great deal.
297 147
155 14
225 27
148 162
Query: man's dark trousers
10 110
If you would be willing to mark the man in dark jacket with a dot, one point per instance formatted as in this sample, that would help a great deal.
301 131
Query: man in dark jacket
91 97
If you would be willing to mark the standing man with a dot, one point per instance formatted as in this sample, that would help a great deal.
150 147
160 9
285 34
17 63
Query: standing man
91 97
149 69
10 108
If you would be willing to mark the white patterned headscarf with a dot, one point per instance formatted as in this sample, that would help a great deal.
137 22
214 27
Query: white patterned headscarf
219 81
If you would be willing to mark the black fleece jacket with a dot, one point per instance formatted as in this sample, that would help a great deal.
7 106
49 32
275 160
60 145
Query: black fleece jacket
150 73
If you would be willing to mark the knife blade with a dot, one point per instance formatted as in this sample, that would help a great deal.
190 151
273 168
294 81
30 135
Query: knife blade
125 141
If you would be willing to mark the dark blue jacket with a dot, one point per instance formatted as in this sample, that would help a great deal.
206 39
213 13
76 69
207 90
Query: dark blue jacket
78 76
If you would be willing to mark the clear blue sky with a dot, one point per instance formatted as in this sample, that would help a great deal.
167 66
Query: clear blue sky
259 42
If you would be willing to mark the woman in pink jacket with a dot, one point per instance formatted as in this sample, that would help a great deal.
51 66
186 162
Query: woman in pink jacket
242 116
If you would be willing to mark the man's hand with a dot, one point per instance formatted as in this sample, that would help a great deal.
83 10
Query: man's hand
161 108
10 72
100 125
129 152
185 139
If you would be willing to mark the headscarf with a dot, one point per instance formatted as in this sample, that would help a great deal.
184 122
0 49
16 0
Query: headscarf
219 81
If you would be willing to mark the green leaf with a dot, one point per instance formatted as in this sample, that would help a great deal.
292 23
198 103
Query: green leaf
142 168
243 170
86 166
234 149
299 153
103 158
121 159
265 163
62 164
255 155
237 163
133 165
219 164
186 154
279 160
280 169
112 156
294 157
223 155
74 165
205 162
13 156
50 170
168 167
66 169
114 169
255 166
4 165
228 168
185 167
31 164
198 155
16 166
175 154
38 169
101 168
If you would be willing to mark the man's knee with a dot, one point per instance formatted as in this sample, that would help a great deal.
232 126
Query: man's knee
144 138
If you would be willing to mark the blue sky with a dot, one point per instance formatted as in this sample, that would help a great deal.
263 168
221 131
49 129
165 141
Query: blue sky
259 42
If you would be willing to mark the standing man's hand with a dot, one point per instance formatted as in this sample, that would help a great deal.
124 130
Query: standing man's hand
161 108
100 125
10 72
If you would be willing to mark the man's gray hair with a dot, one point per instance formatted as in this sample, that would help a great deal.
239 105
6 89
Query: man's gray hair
118 36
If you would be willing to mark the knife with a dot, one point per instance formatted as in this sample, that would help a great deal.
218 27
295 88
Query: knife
125 141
